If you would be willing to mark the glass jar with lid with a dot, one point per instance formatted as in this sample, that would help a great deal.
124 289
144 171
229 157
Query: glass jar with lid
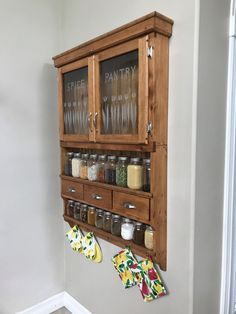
107 221
127 229
77 210
116 225
99 218
146 175
92 168
138 237
110 170
91 215
101 168
148 237
84 166
84 212
70 208
68 164
135 174
121 171
76 165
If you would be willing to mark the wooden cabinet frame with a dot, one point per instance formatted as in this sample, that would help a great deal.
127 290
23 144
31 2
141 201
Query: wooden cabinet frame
150 35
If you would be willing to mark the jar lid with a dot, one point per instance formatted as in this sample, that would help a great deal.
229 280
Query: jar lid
146 161
127 220
102 157
98 210
107 213
77 155
111 157
149 228
135 159
123 158
84 206
71 202
93 156
91 208
77 203
137 223
85 156
115 216
70 154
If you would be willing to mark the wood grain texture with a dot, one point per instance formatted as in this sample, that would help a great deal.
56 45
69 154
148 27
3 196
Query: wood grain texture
153 22
91 192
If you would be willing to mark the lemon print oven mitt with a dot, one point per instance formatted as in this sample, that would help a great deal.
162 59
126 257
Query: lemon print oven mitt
90 247
74 235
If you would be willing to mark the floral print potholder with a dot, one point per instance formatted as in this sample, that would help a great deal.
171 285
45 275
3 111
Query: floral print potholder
149 281
74 235
122 263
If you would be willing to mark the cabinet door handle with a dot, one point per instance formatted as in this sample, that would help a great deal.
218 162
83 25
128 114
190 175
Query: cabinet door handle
95 120
71 190
96 196
129 205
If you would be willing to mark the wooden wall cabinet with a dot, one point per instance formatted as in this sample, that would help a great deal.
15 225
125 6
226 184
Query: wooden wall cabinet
113 97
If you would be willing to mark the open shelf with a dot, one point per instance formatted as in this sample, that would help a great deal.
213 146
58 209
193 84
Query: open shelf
137 249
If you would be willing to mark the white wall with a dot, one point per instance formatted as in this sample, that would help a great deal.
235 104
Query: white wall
98 287
31 227
211 111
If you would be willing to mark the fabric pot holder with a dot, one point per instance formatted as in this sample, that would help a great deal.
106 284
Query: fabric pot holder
74 235
91 249
122 263
149 281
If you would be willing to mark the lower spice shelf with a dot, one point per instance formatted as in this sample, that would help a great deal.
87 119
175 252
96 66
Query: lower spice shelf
137 249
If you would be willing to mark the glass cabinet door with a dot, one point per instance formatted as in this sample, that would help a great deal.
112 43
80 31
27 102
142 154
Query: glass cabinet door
75 108
121 93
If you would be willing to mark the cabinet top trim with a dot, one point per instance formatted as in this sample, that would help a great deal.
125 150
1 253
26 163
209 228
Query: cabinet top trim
153 22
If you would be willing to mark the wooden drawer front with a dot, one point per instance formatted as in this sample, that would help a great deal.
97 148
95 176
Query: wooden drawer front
98 197
72 189
132 206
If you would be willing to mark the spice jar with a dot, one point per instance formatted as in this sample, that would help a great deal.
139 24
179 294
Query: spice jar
135 174
92 168
116 225
70 208
77 210
107 221
148 238
121 171
110 170
68 164
84 166
99 218
138 236
127 229
91 215
101 168
76 165
146 175
84 212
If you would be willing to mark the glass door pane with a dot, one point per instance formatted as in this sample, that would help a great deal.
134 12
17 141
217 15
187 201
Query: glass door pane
119 94
75 102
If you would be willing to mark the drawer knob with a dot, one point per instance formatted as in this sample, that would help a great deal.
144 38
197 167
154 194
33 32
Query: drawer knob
71 190
96 196
129 205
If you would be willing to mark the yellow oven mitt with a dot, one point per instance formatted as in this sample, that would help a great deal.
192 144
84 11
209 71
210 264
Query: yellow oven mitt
91 249
74 235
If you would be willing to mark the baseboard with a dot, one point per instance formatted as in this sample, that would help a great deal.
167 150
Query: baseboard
56 302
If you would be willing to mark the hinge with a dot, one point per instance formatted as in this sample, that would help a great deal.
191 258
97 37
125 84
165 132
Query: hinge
150 52
149 127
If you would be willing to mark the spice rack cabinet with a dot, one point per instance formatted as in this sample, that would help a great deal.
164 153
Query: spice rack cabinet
113 97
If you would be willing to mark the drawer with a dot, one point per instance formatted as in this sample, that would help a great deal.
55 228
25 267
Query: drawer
98 197
132 206
72 189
